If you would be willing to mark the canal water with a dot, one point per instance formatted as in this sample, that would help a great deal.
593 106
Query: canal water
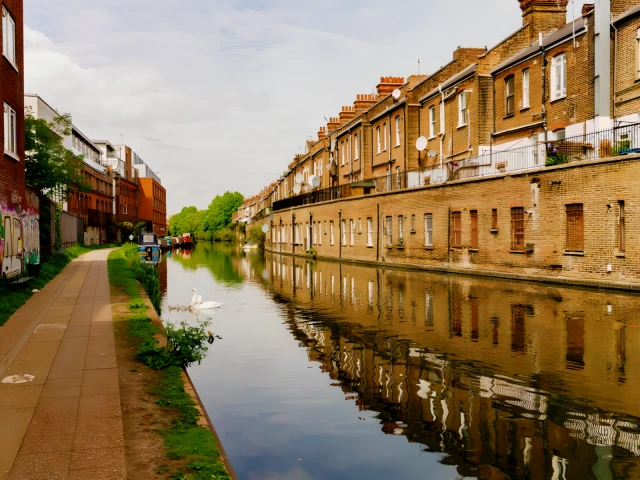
338 371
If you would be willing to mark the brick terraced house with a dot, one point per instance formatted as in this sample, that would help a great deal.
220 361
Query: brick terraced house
519 160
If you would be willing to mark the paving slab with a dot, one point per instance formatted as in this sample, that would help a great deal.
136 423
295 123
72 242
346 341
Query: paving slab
61 412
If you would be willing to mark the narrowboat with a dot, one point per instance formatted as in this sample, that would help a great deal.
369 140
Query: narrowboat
187 240
149 249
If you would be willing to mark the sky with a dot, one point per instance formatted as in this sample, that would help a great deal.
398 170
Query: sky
219 95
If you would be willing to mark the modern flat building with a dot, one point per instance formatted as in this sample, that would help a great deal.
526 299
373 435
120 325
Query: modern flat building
152 196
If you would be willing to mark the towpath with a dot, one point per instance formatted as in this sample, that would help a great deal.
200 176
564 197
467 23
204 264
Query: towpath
60 415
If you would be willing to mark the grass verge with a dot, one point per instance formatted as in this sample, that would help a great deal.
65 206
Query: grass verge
12 297
191 445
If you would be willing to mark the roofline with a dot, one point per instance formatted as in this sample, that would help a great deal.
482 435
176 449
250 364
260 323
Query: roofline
43 101
625 15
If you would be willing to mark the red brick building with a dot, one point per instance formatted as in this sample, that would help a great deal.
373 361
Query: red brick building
152 204
12 171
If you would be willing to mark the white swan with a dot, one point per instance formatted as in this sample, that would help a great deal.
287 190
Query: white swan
196 302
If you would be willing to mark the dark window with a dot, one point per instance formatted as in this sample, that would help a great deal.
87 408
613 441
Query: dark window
621 227
456 232
517 228
474 229
509 92
575 228
494 218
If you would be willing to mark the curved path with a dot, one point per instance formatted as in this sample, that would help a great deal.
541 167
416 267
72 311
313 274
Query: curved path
64 421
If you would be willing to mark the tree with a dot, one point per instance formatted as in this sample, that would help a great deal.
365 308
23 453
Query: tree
50 167
220 211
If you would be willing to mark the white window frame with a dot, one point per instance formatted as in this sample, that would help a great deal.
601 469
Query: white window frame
8 36
559 77
397 130
428 230
344 231
378 137
313 233
352 224
370 232
384 136
389 232
331 233
357 148
342 156
462 109
442 117
432 122
400 228
318 226
526 76
10 119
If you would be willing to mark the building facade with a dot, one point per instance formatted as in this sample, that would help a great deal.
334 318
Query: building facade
514 156
152 203
13 196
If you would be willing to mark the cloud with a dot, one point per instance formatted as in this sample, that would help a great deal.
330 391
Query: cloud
221 94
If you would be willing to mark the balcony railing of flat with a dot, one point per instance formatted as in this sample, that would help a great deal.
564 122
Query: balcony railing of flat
620 140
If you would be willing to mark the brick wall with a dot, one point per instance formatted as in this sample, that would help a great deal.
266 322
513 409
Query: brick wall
12 177
627 80
543 194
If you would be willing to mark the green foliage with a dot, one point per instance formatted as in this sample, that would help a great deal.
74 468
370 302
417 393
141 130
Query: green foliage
146 274
313 252
621 146
186 344
257 236
224 235
12 297
220 211
49 165
209 224
128 228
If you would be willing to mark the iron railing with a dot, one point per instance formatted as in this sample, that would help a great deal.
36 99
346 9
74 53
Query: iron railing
620 140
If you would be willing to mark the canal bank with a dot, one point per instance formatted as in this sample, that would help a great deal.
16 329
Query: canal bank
166 429
571 223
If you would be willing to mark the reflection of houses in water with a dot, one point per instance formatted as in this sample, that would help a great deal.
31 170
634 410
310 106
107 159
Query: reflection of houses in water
489 400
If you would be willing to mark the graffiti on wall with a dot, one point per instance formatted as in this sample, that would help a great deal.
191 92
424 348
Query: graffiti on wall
31 229
19 233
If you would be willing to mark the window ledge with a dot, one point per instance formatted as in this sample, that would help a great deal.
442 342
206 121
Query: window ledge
508 115
455 248
431 138
558 99
369 246
573 253
518 252
620 255
12 155
400 247
494 230
461 126
11 63
413 232
389 247
475 250
428 247
524 109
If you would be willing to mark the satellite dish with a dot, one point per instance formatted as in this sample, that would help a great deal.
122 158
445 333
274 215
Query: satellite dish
306 187
333 144
246 212
314 181
396 94
297 188
299 178
431 153
328 166
265 227
421 143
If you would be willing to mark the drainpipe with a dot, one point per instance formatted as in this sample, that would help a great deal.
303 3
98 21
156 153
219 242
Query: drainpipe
378 233
442 128
280 233
449 238
340 236
544 88
615 62
310 232
293 235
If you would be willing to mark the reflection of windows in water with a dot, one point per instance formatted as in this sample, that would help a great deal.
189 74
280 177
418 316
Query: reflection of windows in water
344 288
517 328
333 278
353 291
475 320
456 314
370 294
389 299
428 309
401 301
414 311
575 342
495 328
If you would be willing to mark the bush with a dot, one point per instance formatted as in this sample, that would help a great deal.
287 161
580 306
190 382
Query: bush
224 235
146 274
257 237
313 252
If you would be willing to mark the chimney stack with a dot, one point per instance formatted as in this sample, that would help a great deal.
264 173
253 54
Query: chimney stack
365 101
347 114
322 133
334 123
389 84
543 16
